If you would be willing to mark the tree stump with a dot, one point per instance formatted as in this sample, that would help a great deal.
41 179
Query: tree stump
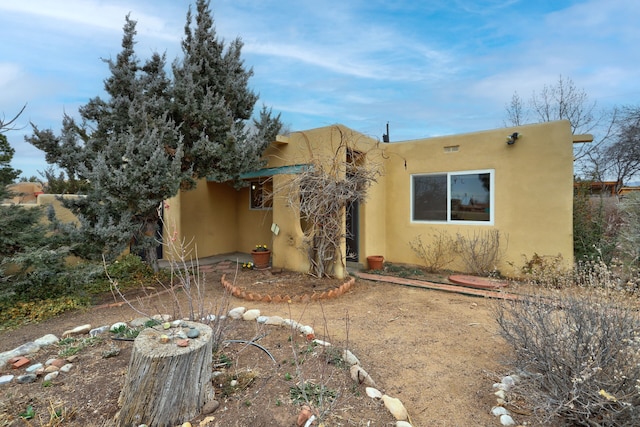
167 384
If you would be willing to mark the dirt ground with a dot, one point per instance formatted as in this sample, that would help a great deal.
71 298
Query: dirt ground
439 353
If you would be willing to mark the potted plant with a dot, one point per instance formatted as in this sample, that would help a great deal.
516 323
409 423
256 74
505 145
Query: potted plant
376 262
261 256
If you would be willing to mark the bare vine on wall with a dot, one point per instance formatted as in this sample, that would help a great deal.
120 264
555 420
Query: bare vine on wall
324 190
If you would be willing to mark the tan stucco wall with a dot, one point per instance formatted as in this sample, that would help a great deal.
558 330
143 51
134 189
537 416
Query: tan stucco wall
533 190
206 217
24 192
303 147
532 205
63 214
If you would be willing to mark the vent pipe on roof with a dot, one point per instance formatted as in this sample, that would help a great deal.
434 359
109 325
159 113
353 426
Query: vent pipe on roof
385 136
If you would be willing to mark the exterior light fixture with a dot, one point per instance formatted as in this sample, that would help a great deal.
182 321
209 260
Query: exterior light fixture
511 139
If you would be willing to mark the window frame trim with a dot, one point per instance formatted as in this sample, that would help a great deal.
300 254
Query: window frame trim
492 209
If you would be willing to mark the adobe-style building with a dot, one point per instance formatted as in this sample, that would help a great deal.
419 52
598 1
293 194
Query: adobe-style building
518 181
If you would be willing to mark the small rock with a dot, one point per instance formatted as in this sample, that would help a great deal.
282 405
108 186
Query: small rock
193 333
290 323
306 330
236 313
182 335
303 416
186 424
56 362
373 393
500 394
164 339
209 318
251 314
206 421
262 319
5 356
166 325
26 348
46 340
182 343
350 358
508 382
78 330
210 407
51 376
117 326
275 321
66 368
33 367
396 407
26 379
72 358
97 331
361 376
499 410
51 368
506 420
321 343
402 424
6 379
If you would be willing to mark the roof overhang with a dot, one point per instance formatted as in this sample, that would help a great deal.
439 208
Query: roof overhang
282 170
585 137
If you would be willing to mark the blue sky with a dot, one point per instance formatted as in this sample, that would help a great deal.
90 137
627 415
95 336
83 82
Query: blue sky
428 68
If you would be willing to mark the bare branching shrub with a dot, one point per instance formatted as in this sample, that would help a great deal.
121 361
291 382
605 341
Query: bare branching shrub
578 355
547 271
323 192
186 288
481 251
630 234
437 254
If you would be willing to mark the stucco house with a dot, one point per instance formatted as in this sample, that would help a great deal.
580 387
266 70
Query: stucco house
518 181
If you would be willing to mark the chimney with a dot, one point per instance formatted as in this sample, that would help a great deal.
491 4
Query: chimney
385 136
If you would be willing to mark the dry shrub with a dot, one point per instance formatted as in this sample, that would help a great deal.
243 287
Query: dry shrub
481 251
437 254
578 355
186 288
547 271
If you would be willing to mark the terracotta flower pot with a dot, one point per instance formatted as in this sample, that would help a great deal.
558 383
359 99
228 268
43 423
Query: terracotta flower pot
375 262
261 258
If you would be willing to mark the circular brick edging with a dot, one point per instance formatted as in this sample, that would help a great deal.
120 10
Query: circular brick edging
250 296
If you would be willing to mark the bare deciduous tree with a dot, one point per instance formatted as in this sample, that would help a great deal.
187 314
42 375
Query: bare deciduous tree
561 101
516 111
323 192
619 160
9 124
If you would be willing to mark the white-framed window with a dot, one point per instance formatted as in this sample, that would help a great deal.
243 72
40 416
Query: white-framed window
465 196
260 191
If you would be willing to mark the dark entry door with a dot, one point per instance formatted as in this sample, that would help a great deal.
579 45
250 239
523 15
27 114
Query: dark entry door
353 213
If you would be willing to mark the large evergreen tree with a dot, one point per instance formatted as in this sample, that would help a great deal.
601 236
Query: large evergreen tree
151 136
7 174
130 151
213 103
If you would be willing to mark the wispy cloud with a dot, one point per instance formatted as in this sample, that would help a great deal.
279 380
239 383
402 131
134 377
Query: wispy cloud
429 68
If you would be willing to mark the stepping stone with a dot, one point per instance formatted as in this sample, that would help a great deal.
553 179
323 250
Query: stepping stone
477 282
